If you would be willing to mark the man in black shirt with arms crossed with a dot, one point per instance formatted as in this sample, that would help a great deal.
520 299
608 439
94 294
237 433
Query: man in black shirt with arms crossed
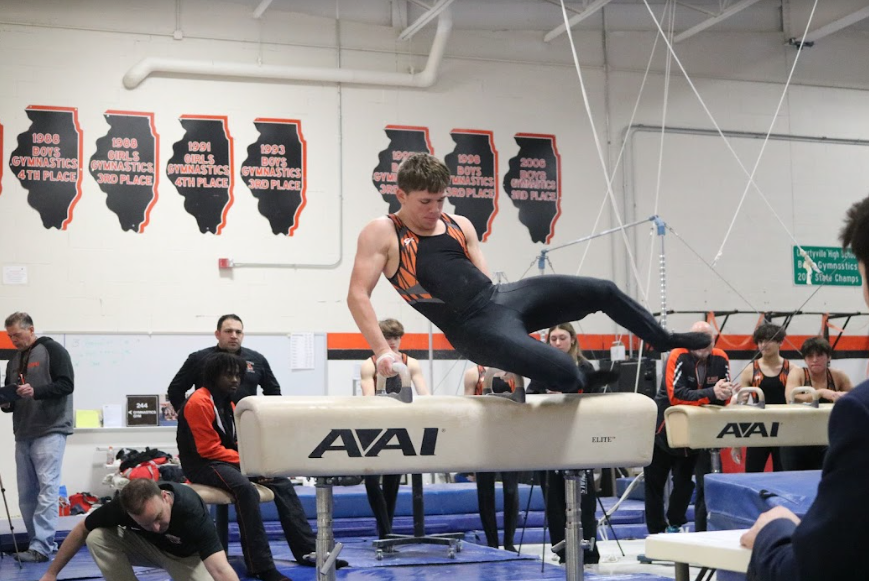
229 335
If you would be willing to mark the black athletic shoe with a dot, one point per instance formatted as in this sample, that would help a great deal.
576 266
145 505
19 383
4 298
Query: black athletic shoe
600 378
690 341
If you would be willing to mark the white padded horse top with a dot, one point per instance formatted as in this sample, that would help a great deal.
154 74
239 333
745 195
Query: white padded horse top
338 436
747 426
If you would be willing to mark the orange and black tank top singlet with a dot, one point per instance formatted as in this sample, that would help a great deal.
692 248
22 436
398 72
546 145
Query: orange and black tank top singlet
831 383
498 384
435 274
772 386
393 384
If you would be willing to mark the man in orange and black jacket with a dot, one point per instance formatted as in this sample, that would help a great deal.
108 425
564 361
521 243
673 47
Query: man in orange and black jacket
698 377
208 449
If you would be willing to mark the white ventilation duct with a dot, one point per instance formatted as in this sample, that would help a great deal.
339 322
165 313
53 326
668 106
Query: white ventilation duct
148 66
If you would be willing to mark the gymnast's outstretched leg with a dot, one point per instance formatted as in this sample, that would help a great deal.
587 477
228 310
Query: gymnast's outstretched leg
497 337
544 301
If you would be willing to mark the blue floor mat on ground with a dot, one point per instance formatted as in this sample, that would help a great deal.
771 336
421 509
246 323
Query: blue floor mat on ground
474 563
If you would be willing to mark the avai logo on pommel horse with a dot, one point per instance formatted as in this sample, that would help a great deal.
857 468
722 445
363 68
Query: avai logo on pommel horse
367 442
749 429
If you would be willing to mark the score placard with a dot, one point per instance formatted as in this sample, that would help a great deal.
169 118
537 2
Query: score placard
142 410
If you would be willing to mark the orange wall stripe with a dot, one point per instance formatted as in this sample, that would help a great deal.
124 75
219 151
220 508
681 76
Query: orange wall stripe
419 341
601 342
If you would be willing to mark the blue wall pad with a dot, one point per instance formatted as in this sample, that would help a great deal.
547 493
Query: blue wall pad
456 498
630 511
638 493
450 499
734 501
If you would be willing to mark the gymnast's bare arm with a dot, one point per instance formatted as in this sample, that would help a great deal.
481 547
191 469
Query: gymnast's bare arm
416 376
843 381
367 377
795 380
472 376
474 250
376 254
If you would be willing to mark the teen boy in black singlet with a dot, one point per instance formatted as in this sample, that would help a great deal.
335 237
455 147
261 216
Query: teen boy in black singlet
435 263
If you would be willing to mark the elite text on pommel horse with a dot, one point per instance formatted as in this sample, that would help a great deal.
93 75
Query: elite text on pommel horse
327 437
741 424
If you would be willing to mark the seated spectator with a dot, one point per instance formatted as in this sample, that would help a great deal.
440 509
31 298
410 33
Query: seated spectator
208 449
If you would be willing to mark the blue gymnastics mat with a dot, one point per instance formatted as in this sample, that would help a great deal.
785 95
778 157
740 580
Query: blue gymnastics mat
734 501
411 563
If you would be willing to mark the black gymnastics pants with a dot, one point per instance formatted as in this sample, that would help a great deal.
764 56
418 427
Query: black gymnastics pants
656 474
494 329
486 503
254 542
382 501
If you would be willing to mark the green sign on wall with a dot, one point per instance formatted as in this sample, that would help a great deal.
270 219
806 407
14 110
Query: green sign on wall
838 267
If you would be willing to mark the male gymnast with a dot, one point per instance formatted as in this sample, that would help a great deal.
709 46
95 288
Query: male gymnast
435 263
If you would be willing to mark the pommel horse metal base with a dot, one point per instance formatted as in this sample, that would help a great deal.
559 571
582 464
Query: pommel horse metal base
741 424
451 540
334 436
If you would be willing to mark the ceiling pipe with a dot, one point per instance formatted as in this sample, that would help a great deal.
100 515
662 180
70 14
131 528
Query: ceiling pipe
420 22
153 65
260 10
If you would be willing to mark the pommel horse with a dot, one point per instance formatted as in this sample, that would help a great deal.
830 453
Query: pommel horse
743 423
451 540
327 437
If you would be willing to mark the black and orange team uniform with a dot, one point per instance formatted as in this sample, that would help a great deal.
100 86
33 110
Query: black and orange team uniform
489 323
807 457
257 373
486 480
687 381
773 388
191 530
208 449
382 500
554 491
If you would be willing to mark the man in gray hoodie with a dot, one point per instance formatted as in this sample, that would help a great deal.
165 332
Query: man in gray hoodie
38 394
